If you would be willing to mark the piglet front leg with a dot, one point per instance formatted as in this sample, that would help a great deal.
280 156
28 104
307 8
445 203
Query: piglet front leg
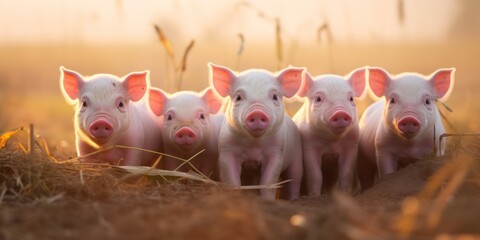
271 171
313 172
230 169
347 161
387 163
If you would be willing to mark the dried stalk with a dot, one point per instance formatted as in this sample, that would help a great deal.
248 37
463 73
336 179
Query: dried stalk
240 49
179 68
445 135
278 43
31 141
183 68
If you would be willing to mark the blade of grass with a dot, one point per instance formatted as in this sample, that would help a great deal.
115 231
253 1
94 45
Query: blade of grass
143 170
7 135
278 43
257 187
31 141
183 67
445 135
240 49
4 191
165 42
191 165
93 153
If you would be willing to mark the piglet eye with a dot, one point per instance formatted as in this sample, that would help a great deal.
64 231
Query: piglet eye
427 101
169 117
351 99
238 98
121 104
202 116
392 100
275 97
318 99
84 104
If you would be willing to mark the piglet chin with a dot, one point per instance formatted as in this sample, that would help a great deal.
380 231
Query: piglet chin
256 132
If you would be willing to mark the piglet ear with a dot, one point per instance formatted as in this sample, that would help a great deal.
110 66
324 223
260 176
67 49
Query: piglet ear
136 84
212 100
307 83
442 82
157 100
291 79
70 83
221 79
358 81
379 80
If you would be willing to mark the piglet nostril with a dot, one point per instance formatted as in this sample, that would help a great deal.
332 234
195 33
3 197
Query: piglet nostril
185 136
409 125
257 120
101 129
339 120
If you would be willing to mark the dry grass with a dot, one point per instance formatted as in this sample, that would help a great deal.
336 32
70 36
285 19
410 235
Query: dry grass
34 173
179 68
47 181
27 178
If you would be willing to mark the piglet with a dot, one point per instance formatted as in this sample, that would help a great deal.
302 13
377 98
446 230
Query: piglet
258 135
110 111
329 125
404 125
191 124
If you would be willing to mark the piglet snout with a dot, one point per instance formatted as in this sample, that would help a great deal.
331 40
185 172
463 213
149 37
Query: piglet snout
185 136
257 121
339 120
101 129
409 125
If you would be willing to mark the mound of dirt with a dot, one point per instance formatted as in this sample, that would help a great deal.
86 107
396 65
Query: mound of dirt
44 199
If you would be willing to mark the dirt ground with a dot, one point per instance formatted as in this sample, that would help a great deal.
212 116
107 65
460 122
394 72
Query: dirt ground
41 199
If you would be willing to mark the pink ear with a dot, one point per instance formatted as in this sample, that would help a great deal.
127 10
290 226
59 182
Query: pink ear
378 79
212 100
358 81
307 82
136 84
442 81
157 99
221 79
71 82
291 80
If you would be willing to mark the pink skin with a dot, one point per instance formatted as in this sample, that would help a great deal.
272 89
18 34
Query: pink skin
108 112
329 126
185 136
400 127
191 124
257 132
101 129
257 122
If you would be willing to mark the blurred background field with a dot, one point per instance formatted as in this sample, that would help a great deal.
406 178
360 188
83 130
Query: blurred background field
118 37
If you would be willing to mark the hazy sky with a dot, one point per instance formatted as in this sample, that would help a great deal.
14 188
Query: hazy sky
127 21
